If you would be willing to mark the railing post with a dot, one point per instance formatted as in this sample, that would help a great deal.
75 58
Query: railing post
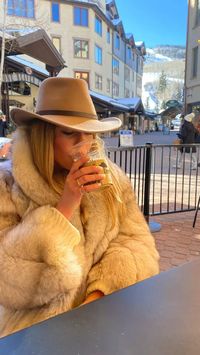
147 180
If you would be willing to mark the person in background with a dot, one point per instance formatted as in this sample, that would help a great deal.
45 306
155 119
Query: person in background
3 125
64 241
187 134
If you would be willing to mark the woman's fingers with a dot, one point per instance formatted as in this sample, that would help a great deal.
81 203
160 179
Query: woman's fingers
78 164
84 178
90 179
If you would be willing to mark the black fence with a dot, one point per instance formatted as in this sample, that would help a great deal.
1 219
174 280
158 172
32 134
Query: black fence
166 178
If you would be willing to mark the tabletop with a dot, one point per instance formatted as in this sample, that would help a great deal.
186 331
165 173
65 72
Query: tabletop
158 316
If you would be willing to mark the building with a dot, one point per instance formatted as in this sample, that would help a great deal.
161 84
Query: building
192 74
91 38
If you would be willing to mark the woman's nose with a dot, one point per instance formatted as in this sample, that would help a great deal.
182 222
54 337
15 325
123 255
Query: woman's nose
84 142
82 136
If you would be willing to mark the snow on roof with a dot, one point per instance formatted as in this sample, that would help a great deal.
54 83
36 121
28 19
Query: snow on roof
139 43
19 59
7 35
131 102
129 35
108 99
21 31
116 21
93 2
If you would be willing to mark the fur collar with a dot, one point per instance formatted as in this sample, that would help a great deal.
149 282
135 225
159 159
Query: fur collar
26 174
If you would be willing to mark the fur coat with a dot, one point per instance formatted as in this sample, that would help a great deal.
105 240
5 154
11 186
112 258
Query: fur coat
47 264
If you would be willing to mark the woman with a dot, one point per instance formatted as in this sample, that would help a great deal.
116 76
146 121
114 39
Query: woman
64 242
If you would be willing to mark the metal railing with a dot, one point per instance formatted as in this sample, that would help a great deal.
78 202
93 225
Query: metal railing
161 185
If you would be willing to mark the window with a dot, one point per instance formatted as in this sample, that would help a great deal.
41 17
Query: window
194 62
115 64
117 42
197 6
80 16
81 48
98 82
55 12
98 54
133 76
82 75
57 42
115 89
108 35
21 8
129 53
108 85
127 74
98 26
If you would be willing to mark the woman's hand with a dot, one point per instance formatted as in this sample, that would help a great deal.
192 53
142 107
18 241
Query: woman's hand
93 296
77 183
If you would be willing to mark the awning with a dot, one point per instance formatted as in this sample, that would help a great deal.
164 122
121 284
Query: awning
36 44
20 69
150 115
171 112
39 46
104 104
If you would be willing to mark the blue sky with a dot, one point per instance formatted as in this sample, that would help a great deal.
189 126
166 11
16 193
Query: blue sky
155 21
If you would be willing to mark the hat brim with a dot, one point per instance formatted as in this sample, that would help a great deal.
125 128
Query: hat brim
81 124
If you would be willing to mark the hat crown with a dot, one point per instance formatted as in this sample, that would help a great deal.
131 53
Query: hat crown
64 94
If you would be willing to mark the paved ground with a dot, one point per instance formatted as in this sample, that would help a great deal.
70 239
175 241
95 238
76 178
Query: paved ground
177 242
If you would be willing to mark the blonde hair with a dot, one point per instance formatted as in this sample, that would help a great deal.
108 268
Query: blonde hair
42 136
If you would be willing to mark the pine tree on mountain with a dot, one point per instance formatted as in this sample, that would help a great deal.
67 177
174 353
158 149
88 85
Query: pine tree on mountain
162 89
163 105
162 83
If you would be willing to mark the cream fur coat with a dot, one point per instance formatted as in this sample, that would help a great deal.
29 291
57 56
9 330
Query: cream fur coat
47 264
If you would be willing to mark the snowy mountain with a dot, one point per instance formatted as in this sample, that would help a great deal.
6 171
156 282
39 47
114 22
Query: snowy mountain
152 57
169 60
164 54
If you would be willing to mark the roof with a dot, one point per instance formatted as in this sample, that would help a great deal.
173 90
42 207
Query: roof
36 44
106 103
39 46
133 103
172 111
151 115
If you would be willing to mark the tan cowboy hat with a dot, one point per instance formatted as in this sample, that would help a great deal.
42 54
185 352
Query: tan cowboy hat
66 102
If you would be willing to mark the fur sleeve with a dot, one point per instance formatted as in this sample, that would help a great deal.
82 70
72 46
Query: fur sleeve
37 258
131 256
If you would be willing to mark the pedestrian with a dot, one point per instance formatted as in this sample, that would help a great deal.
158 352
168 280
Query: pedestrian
64 241
3 125
187 135
156 127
